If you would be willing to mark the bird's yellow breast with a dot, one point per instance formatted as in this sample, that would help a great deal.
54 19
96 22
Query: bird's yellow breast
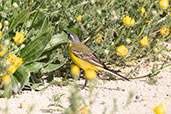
82 63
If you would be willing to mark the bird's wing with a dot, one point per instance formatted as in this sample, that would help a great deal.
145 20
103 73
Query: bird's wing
83 52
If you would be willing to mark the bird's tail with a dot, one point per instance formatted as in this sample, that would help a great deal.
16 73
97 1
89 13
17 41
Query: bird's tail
115 73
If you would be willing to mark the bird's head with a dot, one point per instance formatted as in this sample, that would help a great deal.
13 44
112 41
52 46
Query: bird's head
72 37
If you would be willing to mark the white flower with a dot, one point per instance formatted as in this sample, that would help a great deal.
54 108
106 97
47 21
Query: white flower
6 23
7 42
154 12
106 51
15 5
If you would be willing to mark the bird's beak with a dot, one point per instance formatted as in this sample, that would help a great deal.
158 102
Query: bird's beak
66 32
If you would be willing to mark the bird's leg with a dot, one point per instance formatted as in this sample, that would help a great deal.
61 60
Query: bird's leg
85 84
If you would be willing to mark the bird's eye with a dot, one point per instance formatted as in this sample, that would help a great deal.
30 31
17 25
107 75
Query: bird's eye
71 36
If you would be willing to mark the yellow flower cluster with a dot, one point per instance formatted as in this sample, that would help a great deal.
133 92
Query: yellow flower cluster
15 61
19 38
164 31
164 4
128 21
159 109
142 11
89 74
4 50
99 39
79 18
122 50
144 41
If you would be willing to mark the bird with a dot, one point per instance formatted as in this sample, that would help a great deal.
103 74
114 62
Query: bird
83 57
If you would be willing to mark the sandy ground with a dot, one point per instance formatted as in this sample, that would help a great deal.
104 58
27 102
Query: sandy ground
146 97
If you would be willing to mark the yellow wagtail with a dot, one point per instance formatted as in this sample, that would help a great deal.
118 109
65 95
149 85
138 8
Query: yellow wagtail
82 56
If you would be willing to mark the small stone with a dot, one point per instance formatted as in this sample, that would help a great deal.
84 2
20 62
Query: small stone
123 90
137 97
103 102
25 105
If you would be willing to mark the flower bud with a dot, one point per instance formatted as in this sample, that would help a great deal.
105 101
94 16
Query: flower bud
128 41
15 5
6 23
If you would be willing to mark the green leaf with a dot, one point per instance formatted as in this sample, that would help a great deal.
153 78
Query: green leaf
19 18
35 66
40 66
35 48
20 78
45 25
7 91
55 41
51 67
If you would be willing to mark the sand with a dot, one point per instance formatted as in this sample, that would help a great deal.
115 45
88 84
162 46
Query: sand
146 97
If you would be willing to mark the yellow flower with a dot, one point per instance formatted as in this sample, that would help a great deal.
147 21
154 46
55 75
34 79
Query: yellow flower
144 41
84 110
12 69
159 109
4 50
19 37
164 31
164 4
6 79
128 21
90 74
142 11
0 25
11 58
75 70
148 21
79 18
122 50
170 9
18 61
145 14
0 33
99 40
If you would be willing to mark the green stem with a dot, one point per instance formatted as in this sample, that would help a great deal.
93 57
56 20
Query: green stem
117 40
128 33
164 39
139 77
12 47
137 52
135 60
106 5
142 30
